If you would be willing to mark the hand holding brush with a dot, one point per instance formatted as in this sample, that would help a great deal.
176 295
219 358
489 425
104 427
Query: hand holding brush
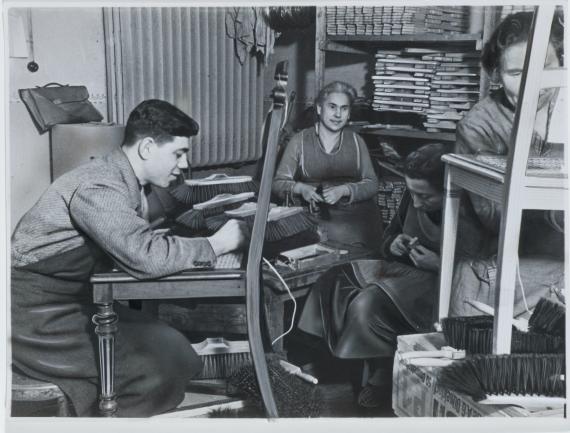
333 194
400 246
232 236
421 257
308 192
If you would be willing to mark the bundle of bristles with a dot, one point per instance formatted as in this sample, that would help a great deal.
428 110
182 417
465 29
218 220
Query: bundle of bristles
294 397
193 191
195 219
535 366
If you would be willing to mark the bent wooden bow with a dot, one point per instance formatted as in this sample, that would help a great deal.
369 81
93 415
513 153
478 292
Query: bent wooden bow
253 272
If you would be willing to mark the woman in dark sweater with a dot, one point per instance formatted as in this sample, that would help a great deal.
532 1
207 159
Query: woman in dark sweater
360 308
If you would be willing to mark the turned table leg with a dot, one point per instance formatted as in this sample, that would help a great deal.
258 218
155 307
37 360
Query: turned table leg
106 326
449 236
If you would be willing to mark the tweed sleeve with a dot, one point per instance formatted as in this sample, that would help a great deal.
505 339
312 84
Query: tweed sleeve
103 213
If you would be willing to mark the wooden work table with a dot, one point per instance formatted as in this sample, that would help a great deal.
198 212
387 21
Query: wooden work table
212 284
227 283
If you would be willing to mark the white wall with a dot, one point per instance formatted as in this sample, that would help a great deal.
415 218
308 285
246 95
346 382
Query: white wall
69 49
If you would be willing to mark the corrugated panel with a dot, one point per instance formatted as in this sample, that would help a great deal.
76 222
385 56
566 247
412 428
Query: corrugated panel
183 55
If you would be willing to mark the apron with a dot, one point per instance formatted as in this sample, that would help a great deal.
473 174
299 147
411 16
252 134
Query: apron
357 223
53 339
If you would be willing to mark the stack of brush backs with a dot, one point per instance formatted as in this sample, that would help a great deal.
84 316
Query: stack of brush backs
205 205
534 368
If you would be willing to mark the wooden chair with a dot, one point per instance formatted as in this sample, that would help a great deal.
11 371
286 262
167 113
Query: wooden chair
518 188
28 390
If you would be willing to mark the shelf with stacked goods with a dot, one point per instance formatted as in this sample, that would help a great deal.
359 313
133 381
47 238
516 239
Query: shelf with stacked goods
425 63
428 38
423 70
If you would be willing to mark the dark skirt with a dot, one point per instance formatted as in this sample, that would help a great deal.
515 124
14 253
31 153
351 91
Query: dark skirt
358 224
53 339
360 308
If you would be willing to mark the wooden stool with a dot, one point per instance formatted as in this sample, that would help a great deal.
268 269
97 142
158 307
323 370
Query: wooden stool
28 390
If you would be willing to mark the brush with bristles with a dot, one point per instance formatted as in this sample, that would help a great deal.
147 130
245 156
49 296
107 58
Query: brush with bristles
194 191
195 218
248 209
474 334
456 329
221 358
528 379
294 397
480 340
282 222
548 317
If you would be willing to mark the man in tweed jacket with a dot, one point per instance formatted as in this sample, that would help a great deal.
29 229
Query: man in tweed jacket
85 218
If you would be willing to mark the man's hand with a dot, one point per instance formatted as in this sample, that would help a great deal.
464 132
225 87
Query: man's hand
399 246
308 192
335 193
424 258
232 236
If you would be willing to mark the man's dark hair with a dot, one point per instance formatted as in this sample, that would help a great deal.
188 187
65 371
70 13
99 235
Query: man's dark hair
425 164
515 28
160 120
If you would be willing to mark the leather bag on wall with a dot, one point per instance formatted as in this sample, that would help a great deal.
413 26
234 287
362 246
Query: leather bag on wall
55 103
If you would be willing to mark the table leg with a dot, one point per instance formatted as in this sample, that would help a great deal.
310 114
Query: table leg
449 236
507 262
274 311
106 326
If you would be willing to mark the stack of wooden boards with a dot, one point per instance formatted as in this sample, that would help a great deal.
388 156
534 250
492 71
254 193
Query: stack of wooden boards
396 20
442 86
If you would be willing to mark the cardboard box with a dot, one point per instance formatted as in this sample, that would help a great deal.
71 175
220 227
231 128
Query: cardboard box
416 392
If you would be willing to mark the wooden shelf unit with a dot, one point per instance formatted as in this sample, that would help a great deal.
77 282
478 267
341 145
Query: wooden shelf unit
366 45
429 38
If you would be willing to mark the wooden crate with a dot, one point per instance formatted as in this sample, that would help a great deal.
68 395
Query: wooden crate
416 392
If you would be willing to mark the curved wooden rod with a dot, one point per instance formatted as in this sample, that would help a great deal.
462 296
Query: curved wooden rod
253 272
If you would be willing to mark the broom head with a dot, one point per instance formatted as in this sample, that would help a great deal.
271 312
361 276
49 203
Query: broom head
194 191
474 334
221 358
195 218
282 222
548 317
519 374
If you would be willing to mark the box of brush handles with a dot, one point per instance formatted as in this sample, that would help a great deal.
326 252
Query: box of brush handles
417 393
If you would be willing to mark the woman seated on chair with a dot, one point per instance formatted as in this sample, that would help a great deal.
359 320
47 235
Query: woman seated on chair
360 308
327 166
486 129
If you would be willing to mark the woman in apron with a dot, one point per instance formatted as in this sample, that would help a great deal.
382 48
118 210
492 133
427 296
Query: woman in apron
328 168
